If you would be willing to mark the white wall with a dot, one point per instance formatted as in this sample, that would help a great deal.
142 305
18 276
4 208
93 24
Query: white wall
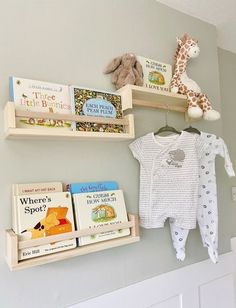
70 42
200 285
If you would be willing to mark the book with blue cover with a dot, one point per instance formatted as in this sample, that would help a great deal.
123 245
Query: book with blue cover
75 188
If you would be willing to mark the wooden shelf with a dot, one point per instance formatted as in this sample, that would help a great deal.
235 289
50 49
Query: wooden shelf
131 96
144 97
14 244
13 132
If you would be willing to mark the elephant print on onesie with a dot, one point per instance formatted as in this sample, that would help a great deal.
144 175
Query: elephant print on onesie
176 158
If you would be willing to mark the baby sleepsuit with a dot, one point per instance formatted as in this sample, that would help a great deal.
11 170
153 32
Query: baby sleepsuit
169 169
207 213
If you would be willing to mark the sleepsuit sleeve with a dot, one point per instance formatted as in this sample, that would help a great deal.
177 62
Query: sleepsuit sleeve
222 150
136 148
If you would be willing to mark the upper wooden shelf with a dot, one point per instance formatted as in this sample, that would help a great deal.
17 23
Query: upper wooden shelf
131 96
141 96
14 132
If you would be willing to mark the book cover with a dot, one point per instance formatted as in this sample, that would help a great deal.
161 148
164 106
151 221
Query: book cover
41 215
96 209
156 75
91 102
75 188
31 188
40 96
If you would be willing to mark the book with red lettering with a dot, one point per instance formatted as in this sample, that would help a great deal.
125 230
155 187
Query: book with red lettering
40 96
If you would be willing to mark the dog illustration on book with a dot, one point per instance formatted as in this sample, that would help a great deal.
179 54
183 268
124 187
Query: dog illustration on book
39 230
54 223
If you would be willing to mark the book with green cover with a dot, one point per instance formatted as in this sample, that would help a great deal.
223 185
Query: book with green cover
96 103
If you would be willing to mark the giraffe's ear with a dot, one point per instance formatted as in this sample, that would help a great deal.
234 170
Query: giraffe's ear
179 41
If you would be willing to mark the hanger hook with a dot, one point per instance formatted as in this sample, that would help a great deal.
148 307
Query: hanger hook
166 114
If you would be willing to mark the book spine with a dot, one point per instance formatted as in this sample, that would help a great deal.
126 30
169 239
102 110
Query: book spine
11 89
72 106
75 188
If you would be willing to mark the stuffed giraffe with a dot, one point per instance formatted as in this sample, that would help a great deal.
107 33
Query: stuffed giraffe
198 103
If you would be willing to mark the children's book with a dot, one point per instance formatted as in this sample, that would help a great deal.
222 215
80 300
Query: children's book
40 96
36 188
96 209
91 102
42 215
75 188
156 75
31 188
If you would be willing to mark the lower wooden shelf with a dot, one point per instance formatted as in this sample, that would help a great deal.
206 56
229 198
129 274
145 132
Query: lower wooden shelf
14 244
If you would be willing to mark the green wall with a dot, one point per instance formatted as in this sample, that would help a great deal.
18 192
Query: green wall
71 42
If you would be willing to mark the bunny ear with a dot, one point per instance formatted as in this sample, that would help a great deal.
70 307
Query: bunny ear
113 65
139 68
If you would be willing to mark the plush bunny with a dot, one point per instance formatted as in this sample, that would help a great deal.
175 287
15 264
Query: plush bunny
126 70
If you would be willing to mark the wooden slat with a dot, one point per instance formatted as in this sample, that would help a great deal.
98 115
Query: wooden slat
83 250
9 116
135 227
11 248
70 235
53 133
145 97
141 103
70 117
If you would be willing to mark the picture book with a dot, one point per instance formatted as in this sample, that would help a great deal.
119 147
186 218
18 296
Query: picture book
40 96
36 188
156 75
42 215
91 102
31 188
96 209
75 188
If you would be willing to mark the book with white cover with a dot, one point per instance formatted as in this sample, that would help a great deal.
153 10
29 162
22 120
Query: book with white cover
43 215
156 75
31 188
94 210
40 96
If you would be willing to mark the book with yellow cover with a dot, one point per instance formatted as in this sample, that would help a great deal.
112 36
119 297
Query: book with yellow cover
94 210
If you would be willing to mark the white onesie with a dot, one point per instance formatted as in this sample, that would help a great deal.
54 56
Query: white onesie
169 168
207 213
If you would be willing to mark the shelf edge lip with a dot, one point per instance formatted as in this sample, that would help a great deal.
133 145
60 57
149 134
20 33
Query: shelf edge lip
20 133
153 91
59 256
